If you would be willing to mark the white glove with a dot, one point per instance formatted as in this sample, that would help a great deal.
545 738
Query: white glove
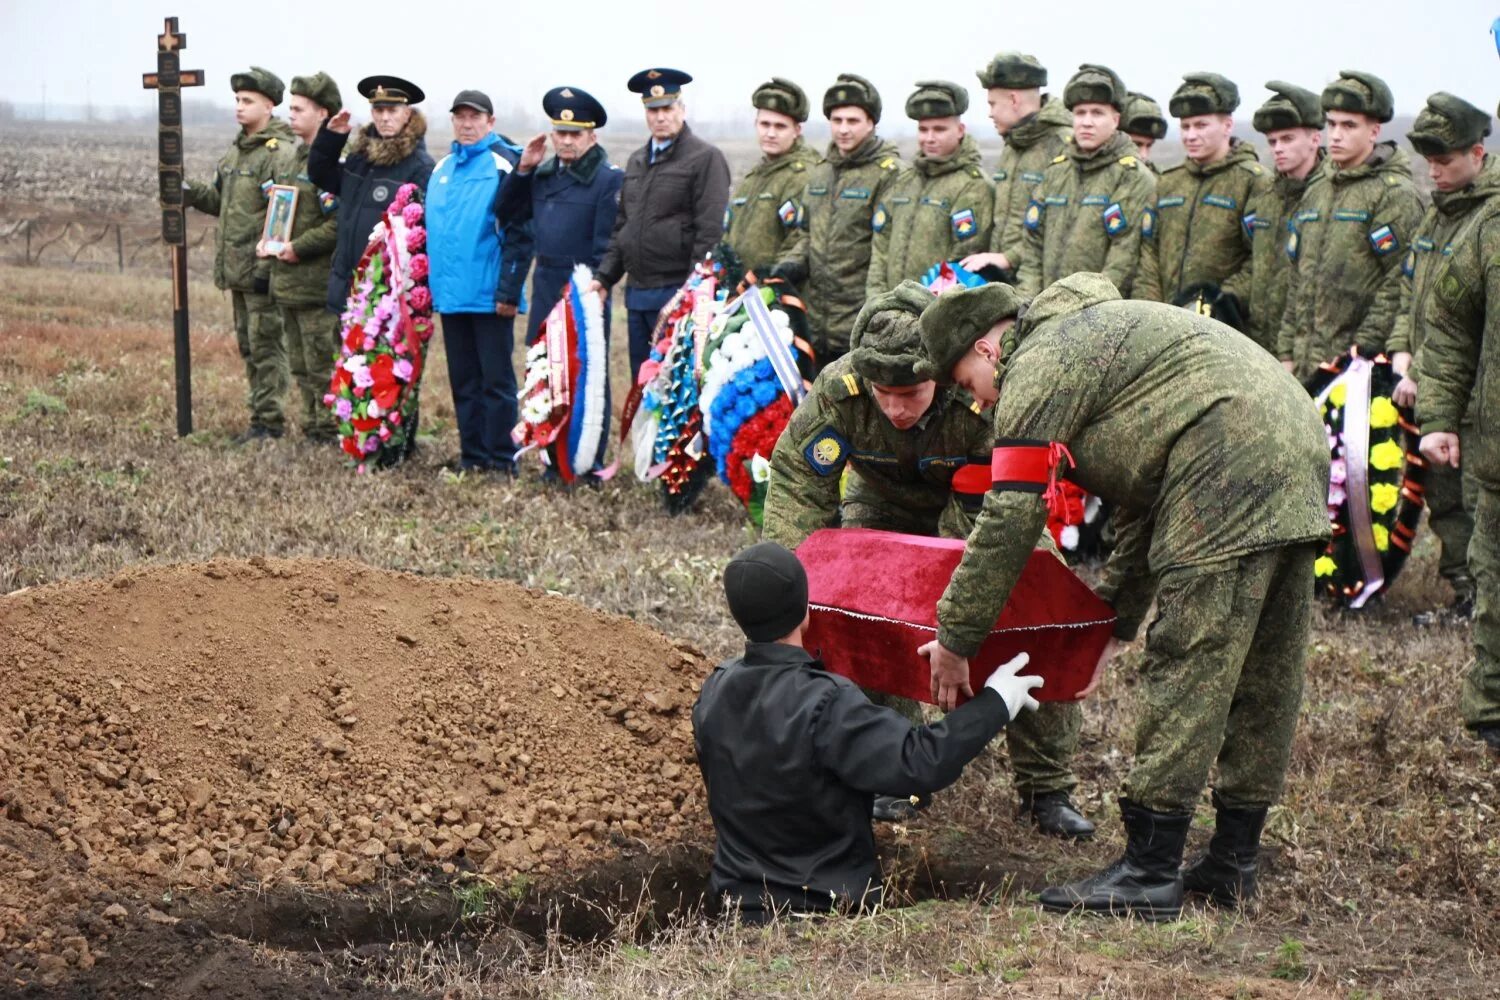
1015 690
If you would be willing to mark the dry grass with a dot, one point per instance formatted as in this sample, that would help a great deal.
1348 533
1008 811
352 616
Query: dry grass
1384 860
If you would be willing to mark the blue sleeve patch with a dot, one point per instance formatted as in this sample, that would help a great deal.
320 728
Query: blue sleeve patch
879 219
790 214
827 452
1148 223
1409 265
1115 222
328 202
964 225
1249 221
1033 218
1293 244
1383 241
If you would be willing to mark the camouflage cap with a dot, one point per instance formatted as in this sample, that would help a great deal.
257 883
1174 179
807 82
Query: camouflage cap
937 99
781 96
320 89
1448 124
261 81
851 91
1290 106
959 317
1142 116
1204 94
1013 71
1361 93
1094 84
885 345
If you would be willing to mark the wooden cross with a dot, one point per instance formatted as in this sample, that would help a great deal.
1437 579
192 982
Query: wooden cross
168 81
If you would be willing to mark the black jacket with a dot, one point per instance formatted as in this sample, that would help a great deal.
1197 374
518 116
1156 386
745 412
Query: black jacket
671 213
364 183
792 757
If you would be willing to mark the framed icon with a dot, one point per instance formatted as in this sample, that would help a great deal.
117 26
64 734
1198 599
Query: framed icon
281 208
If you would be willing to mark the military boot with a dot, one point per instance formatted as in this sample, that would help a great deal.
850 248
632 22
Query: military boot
1054 815
1226 872
1145 882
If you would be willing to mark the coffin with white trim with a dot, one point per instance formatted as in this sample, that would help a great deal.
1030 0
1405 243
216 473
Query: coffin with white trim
874 594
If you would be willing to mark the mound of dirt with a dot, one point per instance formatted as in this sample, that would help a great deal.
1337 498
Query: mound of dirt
326 722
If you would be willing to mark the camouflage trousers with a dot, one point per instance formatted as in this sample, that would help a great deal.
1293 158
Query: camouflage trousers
257 332
312 336
1222 680
1450 513
1480 699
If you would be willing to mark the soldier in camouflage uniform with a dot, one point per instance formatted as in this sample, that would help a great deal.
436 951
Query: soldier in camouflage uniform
829 257
299 272
1143 121
767 209
1200 242
1449 133
1458 374
1036 128
901 439
940 207
1089 212
1292 122
1134 401
236 196
1351 234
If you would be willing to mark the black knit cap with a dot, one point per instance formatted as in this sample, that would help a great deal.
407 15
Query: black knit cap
767 591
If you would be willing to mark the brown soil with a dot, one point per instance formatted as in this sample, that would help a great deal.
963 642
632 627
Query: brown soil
322 724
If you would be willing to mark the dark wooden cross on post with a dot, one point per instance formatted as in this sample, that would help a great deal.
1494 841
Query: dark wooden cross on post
168 81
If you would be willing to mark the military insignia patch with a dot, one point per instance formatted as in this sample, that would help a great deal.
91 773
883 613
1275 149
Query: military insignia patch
1172 202
1148 223
1031 177
1292 241
265 188
1033 218
1096 199
1115 222
854 194
1351 215
1249 221
1424 244
826 451
1220 201
879 219
1384 241
1409 265
327 202
999 175
789 213
964 225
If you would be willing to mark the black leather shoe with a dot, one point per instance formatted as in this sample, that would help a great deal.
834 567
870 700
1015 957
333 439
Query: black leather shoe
1225 873
1054 815
1145 882
895 809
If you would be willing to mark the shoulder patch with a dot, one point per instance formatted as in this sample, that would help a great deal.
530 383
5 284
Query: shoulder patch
1293 244
1409 265
964 224
790 213
1148 223
1115 222
1033 217
850 382
1128 160
879 219
826 452
1249 220
1383 241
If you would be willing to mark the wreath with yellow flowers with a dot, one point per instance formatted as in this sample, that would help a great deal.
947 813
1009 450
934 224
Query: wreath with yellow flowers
1375 478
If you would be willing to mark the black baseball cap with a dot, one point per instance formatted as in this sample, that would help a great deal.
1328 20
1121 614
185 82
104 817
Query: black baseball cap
476 99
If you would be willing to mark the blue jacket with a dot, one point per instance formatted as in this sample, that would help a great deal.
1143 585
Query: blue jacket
475 262
571 208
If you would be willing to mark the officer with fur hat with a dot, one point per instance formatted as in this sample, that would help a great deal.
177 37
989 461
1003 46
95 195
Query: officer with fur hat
910 235
1292 122
237 196
768 209
1352 232
829 257
792 755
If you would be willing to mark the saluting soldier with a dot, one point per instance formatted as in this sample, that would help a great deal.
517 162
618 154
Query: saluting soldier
1143 121
829 257
1090 211
1200 241
671 212
238 197
299 271
900 438
768 209
939 209
1353 230
1292 122
1134 401
1449 135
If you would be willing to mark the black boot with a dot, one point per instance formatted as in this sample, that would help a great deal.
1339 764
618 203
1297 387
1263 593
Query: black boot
898 809
1054 815
1145 882
1226 872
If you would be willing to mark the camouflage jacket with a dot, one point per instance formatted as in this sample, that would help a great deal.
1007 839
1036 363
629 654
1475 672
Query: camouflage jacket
1442 229
1348 241
1029 149
767 209
315 226
938 209
236 197
1268 218
1144 395
1202 226
1088 214
833 246
897 480
1460 370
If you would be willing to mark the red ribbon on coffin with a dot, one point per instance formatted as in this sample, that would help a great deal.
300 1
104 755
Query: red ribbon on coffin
874 594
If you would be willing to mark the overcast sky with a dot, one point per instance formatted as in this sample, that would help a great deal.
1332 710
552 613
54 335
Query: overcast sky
81 51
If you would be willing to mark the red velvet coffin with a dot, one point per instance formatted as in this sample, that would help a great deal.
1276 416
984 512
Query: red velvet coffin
874 600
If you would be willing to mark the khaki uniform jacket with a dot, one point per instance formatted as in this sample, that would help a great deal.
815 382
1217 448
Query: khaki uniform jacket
237 197
1269 220
315 225
1030 149
938 209
768 208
